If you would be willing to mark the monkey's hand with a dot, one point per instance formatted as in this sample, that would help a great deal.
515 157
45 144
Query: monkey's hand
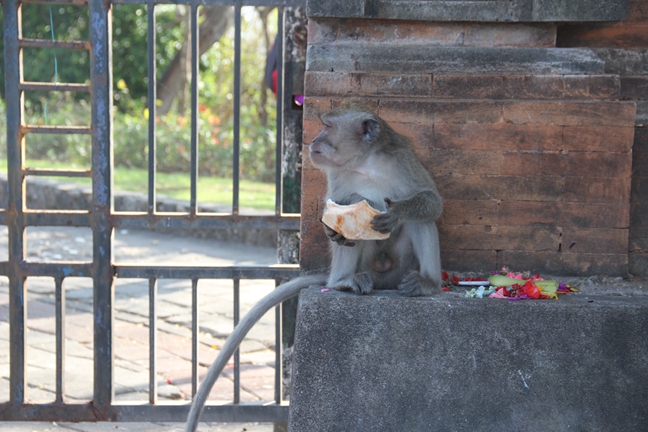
336 236
385 222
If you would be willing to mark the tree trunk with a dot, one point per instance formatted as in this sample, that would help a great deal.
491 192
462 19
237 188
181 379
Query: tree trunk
174 80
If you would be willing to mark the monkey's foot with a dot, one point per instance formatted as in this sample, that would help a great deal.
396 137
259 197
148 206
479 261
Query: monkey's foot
415 285
360 283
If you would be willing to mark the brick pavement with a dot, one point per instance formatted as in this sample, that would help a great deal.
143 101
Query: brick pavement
131 336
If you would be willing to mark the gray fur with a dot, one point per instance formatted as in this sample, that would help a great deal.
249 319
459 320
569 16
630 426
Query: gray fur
363 158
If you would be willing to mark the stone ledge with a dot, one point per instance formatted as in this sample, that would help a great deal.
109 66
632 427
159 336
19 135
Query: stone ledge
434 59
386 363
462 10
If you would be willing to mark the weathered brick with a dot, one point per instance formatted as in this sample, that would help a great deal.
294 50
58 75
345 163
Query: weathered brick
634 87
603 86
638 263
365 84
312 128
598 138
597 190
568 264
523 213
465 162
316 106
599 164
592 215
469 212
637 10
471 237
498 136
468 260
593 113
394 84
432 33
481 86
426 112
311 206
518 35
604 241
420 135
520 188
382 31
534 163
638 240
604 35
639 215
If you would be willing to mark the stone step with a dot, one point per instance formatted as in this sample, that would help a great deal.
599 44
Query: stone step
448 363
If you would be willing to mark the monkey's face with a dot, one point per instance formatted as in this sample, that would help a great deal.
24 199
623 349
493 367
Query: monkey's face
345 140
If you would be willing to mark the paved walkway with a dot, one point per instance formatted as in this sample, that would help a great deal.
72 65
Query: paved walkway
131 325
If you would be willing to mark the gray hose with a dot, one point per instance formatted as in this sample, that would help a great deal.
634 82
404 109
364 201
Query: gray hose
279 295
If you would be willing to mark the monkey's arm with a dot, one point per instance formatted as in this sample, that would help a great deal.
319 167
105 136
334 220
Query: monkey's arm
423 206
279 295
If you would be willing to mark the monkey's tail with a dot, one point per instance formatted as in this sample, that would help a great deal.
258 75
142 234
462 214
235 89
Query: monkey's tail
281 294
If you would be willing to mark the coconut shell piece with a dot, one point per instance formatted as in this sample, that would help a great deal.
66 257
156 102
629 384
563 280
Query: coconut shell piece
352 221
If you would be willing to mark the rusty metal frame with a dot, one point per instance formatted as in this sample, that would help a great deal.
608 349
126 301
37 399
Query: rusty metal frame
103 220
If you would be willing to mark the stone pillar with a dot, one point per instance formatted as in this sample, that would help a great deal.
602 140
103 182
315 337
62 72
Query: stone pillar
530 144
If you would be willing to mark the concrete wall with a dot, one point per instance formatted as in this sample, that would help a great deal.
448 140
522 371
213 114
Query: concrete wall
530 144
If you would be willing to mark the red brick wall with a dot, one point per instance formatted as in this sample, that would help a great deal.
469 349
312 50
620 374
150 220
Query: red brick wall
534 168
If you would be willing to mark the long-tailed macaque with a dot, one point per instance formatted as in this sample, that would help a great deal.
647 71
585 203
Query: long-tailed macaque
363 158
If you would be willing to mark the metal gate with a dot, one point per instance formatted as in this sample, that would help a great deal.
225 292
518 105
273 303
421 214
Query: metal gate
102 219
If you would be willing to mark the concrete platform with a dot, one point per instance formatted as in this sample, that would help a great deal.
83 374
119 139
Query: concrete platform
447 363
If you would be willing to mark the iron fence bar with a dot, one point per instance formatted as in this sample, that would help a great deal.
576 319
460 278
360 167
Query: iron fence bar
193 169
4 268
237 108
290 3
57 44
152 106
206 272
142 221
79 218
153 393
16 201
279 105
102 205
56 173
68 130
237 353
68 2
216 221
39 86
278 353
58 269
194 337
60 338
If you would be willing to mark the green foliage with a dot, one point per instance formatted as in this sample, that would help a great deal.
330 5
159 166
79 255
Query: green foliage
130 27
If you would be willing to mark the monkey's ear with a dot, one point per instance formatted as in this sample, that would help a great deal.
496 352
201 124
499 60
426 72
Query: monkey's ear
370 130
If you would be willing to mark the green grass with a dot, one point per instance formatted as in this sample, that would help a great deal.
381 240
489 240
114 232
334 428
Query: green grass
211 190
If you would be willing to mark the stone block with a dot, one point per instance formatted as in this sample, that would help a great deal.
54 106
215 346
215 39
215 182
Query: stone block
486 237
418 58
335 8
470 212
566 263
635 88
386 363
595 240
518 188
